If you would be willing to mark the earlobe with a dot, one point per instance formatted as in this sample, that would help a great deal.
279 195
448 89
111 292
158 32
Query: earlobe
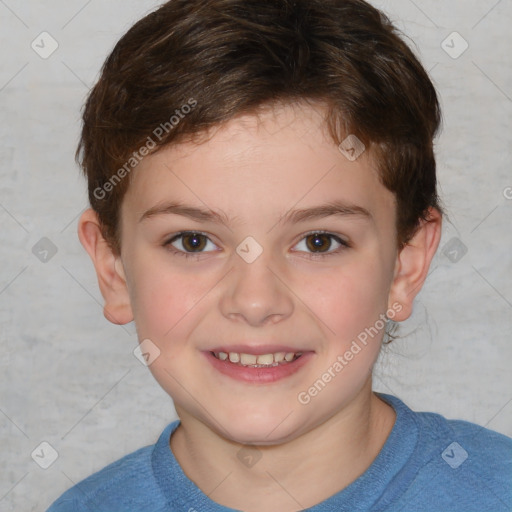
413 263
109 269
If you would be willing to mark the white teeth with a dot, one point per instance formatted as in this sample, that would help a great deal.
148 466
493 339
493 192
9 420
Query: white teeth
260 360
279 356
265 359
247 359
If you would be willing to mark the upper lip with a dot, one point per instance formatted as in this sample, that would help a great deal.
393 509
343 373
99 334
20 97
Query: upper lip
257 350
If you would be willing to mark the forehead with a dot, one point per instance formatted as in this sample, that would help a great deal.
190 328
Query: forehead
255 167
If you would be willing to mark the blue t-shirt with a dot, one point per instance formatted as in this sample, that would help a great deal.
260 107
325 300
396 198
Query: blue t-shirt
427 464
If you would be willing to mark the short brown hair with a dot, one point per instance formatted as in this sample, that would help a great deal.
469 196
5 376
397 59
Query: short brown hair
230 57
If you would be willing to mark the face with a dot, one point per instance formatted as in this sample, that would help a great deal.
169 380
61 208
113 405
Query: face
266 239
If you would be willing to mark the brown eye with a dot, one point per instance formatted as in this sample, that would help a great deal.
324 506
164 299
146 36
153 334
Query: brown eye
190 242
319 242
194 242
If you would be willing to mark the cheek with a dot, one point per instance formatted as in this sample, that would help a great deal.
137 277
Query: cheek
166 308
349 300
349 304
162 298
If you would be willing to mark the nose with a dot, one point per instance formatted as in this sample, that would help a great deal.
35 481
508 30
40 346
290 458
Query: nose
256 294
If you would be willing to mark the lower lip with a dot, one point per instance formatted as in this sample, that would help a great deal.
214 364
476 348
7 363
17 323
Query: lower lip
259 375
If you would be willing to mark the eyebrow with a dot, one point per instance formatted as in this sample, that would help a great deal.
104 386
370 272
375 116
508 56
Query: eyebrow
335 208
192 212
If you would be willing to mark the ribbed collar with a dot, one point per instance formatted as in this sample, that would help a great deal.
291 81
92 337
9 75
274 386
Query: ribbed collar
362 494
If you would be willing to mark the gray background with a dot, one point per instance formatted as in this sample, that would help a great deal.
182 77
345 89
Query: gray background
69 378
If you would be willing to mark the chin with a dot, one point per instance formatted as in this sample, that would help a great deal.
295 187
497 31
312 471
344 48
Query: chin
258 429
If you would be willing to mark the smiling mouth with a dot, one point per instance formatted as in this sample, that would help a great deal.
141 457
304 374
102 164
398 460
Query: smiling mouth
257 361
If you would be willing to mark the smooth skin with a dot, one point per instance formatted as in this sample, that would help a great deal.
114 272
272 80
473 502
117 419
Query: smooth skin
313 293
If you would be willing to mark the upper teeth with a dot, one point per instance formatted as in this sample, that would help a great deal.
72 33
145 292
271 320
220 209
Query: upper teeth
251 359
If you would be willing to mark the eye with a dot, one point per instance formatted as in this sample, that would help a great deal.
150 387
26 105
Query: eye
189 243
320 243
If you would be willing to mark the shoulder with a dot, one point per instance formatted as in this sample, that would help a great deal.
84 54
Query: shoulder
483 449
457 465
488 455
476 465
129 481
481 444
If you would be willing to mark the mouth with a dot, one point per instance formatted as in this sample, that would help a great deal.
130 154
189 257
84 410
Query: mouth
269 360
269 365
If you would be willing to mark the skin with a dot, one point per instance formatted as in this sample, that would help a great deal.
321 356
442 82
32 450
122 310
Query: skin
254 170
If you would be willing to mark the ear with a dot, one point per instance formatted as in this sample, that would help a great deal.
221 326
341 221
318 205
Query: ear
412 264
109 269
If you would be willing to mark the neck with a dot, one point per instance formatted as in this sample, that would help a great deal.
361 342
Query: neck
291 476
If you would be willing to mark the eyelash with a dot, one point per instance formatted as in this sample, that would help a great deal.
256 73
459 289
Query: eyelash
312 255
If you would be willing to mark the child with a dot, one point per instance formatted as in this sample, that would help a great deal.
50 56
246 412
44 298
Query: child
263 193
